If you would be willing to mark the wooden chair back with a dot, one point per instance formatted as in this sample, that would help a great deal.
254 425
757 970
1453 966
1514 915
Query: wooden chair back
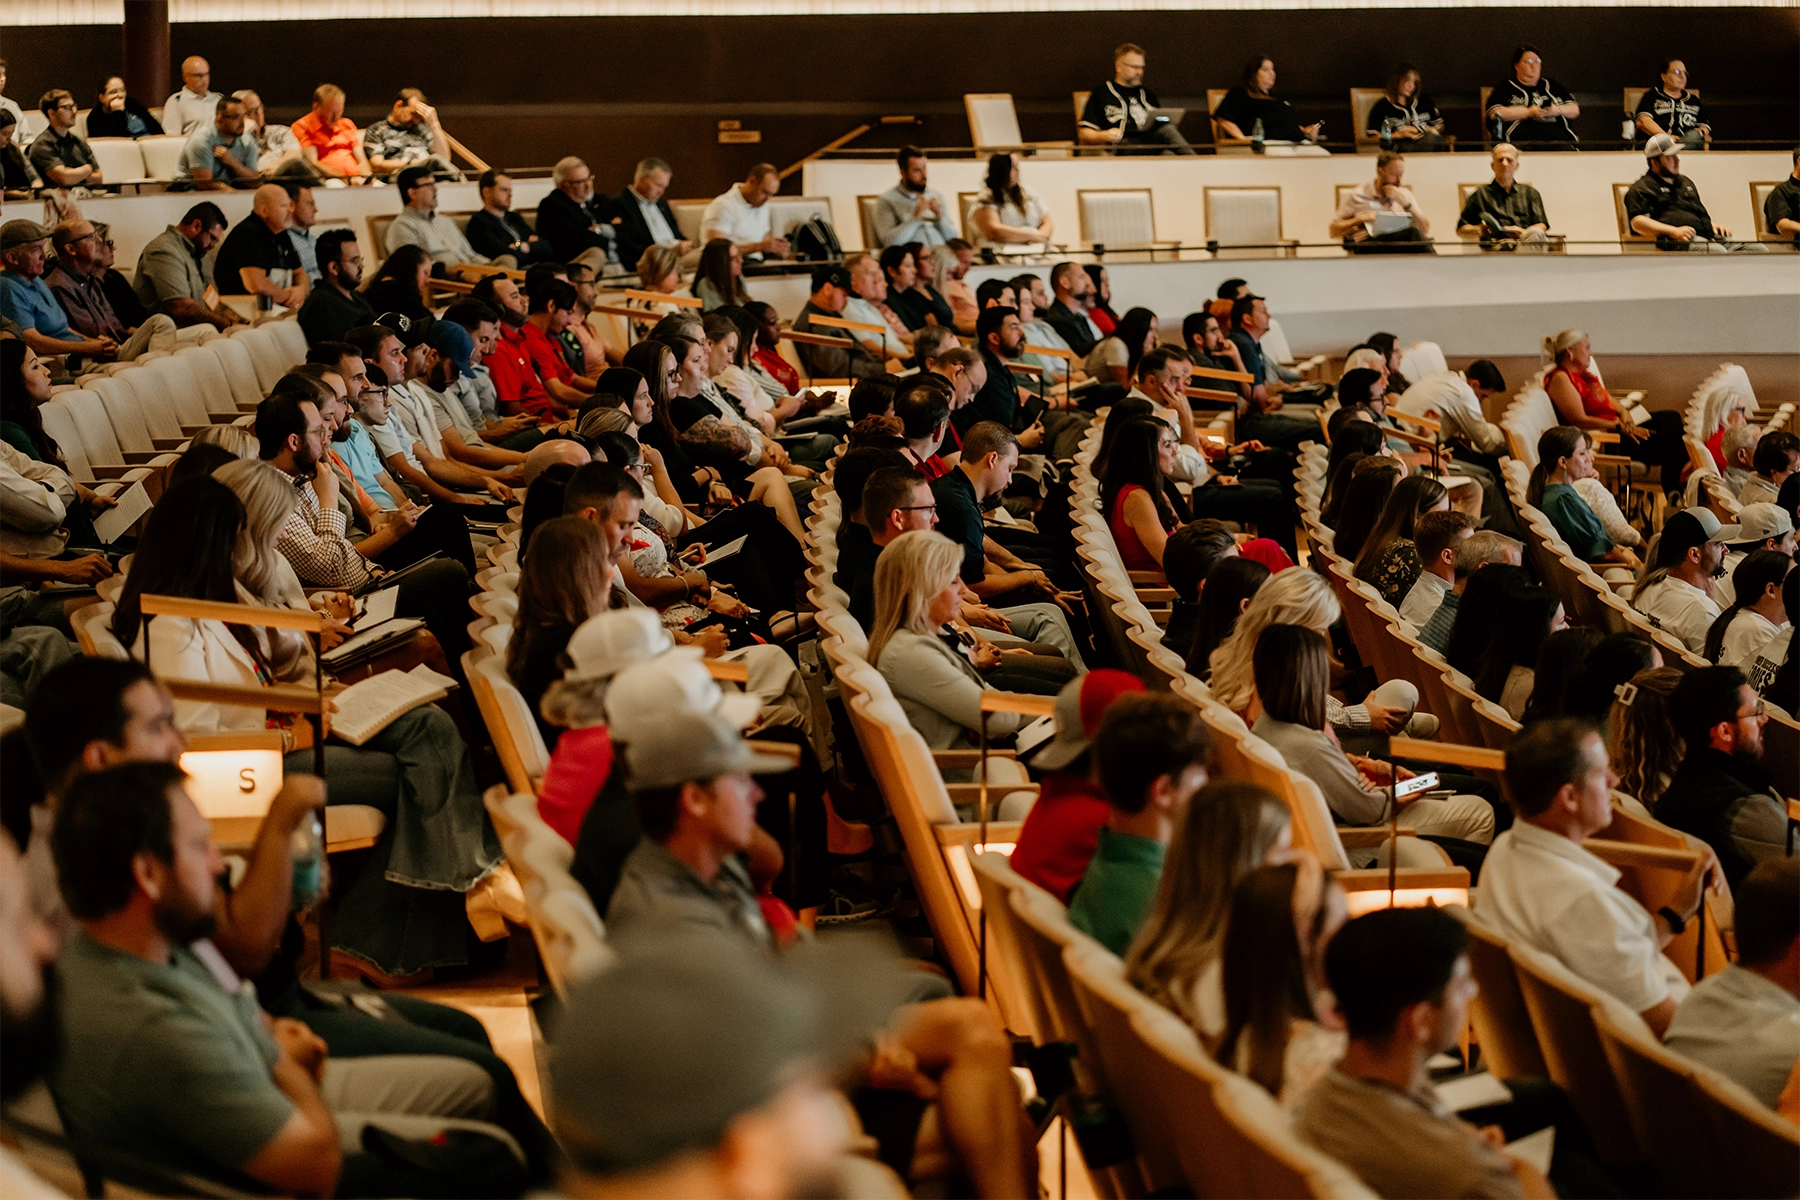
1762 1150
1010 978
1502 1023
1362 101
1664 1107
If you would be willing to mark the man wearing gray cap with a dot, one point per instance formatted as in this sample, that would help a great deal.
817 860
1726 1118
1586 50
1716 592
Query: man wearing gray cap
1760 527
1666 205
1677 594
27 300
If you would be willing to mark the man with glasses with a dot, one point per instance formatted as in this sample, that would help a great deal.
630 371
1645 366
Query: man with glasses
421 224
1671 108
220 155
60 158
76 284
1722 792
577 226
191 107
27 301
1530 106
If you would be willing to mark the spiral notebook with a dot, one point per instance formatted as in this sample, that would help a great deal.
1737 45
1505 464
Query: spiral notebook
362 710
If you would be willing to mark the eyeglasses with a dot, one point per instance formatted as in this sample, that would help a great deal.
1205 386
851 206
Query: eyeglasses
915 508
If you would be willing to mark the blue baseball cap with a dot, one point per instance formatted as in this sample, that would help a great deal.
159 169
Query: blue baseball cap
453 342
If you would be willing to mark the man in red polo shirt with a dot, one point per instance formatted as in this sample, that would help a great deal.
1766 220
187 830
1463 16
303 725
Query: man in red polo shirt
329 139
516 383
551 309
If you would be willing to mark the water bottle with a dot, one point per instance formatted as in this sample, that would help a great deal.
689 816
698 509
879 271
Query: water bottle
1388 125
307 849
1256 137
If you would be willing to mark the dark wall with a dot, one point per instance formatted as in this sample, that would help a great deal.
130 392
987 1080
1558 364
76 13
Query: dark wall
523 92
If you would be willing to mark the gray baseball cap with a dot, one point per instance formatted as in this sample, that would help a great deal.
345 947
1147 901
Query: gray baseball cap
1760 522
1660 145
694 1027
682 745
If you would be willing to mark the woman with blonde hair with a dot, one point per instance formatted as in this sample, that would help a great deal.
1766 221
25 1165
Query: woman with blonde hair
235 438
1303 598
1229 829
918 590
1643 746
1582 400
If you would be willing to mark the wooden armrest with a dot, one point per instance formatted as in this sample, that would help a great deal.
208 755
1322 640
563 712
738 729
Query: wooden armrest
1367 838
1147 578
260 739
964 760
110 472
1601 437
454 286
784 750
1018 702
188 431
1375 879
225 418
969 833
970 793
167 443
736 672
841 323
233 614
1195 393
816 339
1793 810
1156 595
613 310
1479 757
1019 368
1611 460
280 697
1411 439
1629 854
1053 352
1216 373
1413 419
660 298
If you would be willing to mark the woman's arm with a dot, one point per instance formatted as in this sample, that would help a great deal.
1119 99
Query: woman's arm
1141 515
926 675
1568 404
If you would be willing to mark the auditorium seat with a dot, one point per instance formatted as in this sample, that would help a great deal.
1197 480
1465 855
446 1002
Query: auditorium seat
1362 101
239 369
865 219
119 159
59 423
213 388
130 422
185 393
687 217
1630 240
1663 1105
267 354
1246 222
1119 219
108 455
1763 1147
1759 196
1221 143
1502 1023
162 155
517 741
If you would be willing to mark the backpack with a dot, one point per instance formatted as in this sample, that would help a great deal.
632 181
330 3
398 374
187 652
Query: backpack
814 240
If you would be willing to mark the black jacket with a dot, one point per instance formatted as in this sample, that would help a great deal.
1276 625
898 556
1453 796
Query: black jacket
1072 326
114 124
1704 799
633 231
568 226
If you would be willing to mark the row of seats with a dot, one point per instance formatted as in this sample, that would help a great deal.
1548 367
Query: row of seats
1706 486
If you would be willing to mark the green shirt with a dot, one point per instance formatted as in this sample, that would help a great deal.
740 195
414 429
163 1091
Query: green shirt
14 435
1117 888
1576 522
161 1062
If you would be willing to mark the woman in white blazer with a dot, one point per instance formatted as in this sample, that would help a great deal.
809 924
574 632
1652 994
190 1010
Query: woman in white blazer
404 913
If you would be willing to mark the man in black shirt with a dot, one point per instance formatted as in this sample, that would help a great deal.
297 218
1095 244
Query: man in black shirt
1067 314
1119 113
990 452
1672 109
497 232
335 307
645 218
60 158
1503 209
1666 205
830 292
1781 210
577 226
1530 106
258 258
1058 429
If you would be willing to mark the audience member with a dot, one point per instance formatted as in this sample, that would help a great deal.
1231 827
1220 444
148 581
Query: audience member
1505 672
1755 615
1006 214
1389 558
1774 668
45 511
1279 1027
409 136
1253 102
1454 399
1760 527
1641 737
401 285
1529 106
1132 492
1151 756
719 276
574 221
1099 301
1404 116
304 216
220 155
1401 980
1781 208
1677 592
1189 557
1582 400
1232 584
741 215
499 234
1504 211
1721 792
1561 666
1666 205
328 139
830 296
278 151
258 259
335 306
76 282
174 269
27 301
420 224
17 176
1777 459
1359 216
1670 108
1292 667
27 948
1372 482
192 106
1263 422
1438 539
911 211
1067 312
116 115
8 105
1565 459
1540 888
1744 1021
59 156
1124 113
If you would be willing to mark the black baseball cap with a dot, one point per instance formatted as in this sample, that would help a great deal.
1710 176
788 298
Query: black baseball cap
836 276
411 331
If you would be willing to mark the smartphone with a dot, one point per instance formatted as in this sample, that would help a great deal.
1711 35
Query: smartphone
1418 783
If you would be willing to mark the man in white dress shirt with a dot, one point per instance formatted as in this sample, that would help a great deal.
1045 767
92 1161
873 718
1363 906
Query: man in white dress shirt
741 215
1453 399
1677 594
1540 888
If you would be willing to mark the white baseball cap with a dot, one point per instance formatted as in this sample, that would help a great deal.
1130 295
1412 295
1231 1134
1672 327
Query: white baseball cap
646 696
604 645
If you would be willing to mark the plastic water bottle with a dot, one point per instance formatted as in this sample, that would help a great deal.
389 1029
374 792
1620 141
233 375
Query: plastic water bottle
307 848
1256 137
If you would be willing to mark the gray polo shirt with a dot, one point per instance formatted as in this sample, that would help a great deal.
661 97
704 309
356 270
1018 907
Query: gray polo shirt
657 890
1742 1026
198 152
161 1062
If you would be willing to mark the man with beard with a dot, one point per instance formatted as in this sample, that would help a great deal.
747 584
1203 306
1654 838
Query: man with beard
1677 594
27 1033
1001 339
1721 792
516 383
336 306
910 211
164 1062
1666 205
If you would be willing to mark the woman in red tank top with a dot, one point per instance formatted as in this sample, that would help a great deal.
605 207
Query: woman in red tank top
1131 492
1582 400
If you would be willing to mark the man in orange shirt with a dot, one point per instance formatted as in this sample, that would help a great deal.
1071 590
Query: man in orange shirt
329 139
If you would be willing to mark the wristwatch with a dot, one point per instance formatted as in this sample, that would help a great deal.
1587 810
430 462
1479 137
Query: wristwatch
1677 922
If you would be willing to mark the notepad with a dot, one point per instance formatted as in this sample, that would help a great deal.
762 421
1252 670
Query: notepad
1384 223
375 608
1535 1148
724 552
362 710
1472 1091
113 522
365 641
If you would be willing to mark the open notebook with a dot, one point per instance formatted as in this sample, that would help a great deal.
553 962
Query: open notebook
362 710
